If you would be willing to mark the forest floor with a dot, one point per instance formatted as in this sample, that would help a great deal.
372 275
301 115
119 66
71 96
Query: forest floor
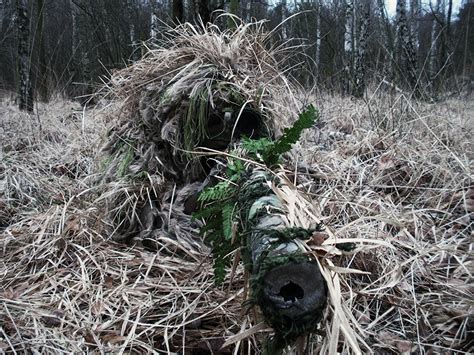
385 168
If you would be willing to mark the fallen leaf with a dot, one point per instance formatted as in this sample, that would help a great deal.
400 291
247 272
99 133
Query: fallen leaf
318 238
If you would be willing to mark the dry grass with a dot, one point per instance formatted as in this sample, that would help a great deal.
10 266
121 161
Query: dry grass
392 176
46 158
402 175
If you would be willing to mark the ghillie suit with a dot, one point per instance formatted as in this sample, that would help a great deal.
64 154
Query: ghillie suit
200 89
184 107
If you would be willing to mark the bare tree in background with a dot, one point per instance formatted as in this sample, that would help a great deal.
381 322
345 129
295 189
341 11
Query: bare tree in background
447 37
349 37
80 63
234 8
361 49
248 10
435 31
356 36
446 50
25 90
386 39
415 16
178 11
468 46
405 51
131 10
74 17
448 25
154 21
284 26
40 81
97 36
317 54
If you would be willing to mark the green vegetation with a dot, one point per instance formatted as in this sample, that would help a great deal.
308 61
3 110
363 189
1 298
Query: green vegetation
196 119
268 152
127 159
221 205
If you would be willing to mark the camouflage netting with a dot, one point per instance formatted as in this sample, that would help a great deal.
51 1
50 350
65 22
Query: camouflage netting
201 89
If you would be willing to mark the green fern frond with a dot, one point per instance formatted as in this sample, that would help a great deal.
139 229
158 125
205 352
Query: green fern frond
291 135
257 149
220 191
267 151
228 220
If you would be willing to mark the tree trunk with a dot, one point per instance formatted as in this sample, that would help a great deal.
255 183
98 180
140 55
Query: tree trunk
248 11
360 66
447 41
317 58
349 44
434 41
448 22
25 91
132 32
234 8
41 82
465 68
202 10
415 15
447 47
387 40
406 54
153 25
178 11
75 34
284 26
78 54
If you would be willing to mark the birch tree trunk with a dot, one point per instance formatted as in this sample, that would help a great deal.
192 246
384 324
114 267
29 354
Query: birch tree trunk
248 11
387 39
153 24
434 41
406 54
284 26
360 60
349 39
25 90
317 58
41 83
132 7
415 16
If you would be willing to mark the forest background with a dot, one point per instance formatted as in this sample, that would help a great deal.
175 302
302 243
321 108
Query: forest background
70 47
